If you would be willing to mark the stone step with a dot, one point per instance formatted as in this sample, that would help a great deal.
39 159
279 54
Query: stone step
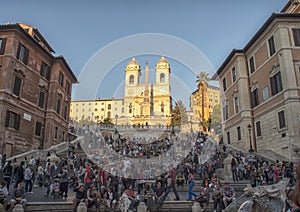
176 206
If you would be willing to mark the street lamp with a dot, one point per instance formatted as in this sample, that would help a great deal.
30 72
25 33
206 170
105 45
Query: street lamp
191 122
116 117
249 130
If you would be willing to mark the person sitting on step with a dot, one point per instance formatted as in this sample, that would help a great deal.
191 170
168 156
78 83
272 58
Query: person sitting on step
203 196
228 194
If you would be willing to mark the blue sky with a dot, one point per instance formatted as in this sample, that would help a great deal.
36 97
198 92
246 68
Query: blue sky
79 29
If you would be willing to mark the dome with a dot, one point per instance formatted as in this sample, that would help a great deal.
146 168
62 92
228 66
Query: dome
162 63
162 60
133 64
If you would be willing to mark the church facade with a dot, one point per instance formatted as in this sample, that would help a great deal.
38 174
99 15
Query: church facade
143 103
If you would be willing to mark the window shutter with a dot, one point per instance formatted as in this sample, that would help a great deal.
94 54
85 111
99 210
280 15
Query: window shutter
273 85
17 123
7 118
18 51
296 36
48 73
2 47
279 82
25 58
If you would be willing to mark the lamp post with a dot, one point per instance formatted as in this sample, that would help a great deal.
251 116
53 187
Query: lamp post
191 122
249 130
116 117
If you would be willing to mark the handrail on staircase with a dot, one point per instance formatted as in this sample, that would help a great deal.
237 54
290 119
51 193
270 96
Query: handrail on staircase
63 146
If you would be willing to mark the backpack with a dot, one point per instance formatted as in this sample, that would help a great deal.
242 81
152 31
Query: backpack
92 174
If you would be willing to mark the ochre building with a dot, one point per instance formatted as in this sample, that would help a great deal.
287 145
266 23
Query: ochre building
211 99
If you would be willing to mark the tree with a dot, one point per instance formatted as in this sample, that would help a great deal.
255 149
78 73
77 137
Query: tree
216 114
107 121
216 119
202 83
179 115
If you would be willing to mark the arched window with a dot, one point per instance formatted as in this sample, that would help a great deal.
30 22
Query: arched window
130 108
162 109
131 79
162 78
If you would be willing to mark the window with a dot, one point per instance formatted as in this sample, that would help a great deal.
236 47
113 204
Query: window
108 114
17 86
258 129
252 65
281 119
41 99
102 109
22 53
130 108
233 73
109 106
2 45
38 128
236 104
271 45
254 98
68 87
65 112
296 34
61 79
162 109
45 71
276 84
96 109
224 84
12 120
63 136
131 79
58 105
225 110
162 78
55 132
228 137
122 109
265 93
239 133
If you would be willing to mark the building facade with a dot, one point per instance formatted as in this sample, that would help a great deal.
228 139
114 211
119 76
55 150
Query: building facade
260 89
211 99
143 104
35 91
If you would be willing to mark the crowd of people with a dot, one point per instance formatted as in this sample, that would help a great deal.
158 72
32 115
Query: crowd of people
124 183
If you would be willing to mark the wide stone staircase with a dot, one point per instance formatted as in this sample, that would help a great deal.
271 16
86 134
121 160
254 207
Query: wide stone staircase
169 205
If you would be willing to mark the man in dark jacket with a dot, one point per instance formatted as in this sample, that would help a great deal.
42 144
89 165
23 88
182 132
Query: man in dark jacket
19 173
80 196
7 171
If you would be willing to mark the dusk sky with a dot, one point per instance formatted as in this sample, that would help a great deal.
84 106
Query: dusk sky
79 30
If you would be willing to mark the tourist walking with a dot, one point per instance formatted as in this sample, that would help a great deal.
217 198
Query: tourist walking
64 182
171 183
191 182
28 176
234 170
7 172
19 173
